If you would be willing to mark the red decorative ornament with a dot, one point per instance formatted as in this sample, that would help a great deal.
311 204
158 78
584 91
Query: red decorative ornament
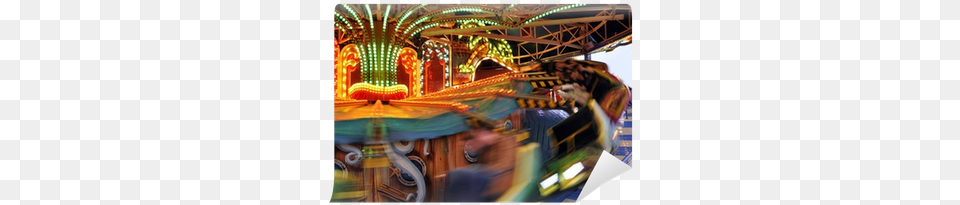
364 91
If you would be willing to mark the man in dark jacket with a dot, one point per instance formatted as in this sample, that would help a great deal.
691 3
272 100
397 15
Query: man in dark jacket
472 183
468 184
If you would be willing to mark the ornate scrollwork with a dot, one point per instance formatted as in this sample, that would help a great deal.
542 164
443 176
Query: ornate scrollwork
407 179
406 165
340 165
426 147
404 148
354 155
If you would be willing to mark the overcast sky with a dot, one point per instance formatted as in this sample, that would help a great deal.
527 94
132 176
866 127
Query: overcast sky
620 61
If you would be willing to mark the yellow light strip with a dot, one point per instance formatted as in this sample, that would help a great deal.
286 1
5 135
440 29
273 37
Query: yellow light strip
483 93
348 195
377 89
349 103
455 105
377 162
488 81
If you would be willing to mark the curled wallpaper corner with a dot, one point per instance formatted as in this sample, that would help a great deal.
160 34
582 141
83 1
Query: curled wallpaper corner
607 168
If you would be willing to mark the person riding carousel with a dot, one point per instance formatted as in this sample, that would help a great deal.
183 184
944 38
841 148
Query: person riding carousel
475 183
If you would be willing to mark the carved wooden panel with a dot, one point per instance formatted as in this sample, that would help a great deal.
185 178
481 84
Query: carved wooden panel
438 165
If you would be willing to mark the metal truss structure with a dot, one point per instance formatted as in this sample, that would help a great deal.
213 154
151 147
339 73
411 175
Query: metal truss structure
536 32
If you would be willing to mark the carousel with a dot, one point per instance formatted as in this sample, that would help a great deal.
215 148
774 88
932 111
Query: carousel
473 103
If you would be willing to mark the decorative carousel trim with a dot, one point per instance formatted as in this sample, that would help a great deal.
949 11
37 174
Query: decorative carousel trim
426 147
341 165
423 166
354 154
404 149
466 154
405 164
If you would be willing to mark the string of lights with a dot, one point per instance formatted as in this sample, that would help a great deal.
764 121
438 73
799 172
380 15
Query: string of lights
487 81
455 105
375 92
544 14
484 48
465 95
440 51
446 11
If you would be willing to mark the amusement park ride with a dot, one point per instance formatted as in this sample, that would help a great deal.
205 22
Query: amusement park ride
420 90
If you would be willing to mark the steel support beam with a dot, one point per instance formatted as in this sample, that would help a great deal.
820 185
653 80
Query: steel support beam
553 32
580 9
435 31
524 39
602 23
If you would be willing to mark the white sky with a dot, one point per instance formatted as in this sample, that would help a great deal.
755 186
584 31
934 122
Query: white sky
620 61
